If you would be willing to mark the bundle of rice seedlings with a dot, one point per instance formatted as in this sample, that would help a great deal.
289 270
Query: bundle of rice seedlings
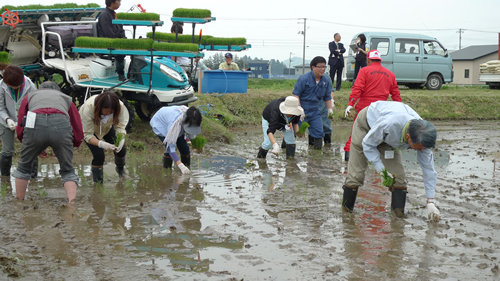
117 43
303 127
161 36
388 181
175 47
198 142
4 58
191 13
119 138
138 16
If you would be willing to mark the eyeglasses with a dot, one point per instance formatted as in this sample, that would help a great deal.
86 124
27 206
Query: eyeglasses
320 66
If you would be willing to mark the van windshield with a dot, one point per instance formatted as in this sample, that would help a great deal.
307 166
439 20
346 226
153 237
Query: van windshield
434 48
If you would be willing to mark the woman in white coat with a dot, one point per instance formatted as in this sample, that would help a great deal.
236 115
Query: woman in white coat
13 88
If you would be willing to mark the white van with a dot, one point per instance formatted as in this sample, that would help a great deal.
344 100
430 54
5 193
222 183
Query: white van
416 60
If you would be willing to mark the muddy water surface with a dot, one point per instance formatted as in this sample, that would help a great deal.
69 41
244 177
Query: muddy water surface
238 218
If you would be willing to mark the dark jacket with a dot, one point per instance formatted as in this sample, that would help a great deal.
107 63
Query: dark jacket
105 26
335 57
276 119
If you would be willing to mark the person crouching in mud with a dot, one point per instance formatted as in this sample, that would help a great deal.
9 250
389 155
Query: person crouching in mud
283 115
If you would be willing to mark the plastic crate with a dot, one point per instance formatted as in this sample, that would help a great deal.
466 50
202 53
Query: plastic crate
224 81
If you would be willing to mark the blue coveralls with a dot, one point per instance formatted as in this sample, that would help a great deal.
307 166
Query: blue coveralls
310 95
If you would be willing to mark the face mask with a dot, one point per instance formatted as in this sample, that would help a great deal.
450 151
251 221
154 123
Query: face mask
105 118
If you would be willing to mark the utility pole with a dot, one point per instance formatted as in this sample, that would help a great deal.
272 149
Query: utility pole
460 31
304 46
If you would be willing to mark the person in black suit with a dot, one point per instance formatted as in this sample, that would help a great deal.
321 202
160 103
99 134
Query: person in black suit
336 59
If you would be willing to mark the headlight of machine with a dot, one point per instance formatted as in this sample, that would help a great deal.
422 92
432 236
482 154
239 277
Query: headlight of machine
170 72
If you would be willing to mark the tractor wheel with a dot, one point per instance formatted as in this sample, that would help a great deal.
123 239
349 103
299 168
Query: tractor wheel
145 111
131 114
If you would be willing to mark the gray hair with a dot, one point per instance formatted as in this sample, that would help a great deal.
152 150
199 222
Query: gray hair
49 85
422 132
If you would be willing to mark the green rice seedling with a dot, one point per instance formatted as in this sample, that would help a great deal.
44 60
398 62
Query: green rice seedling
191 13
330 116
119 138
3 190
116 43
4 58
162 36
198 142
138 16
176 47
388 181
303 128
41 191
226 41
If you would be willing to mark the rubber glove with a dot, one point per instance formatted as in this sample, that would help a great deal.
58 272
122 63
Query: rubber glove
302 117
276 148
120 146
347 110
106 146
184 169
432 212
11 124
333 103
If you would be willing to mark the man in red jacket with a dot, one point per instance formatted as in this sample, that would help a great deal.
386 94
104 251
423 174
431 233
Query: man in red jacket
374 83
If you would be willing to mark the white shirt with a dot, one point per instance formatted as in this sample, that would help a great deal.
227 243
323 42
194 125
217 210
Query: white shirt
387 120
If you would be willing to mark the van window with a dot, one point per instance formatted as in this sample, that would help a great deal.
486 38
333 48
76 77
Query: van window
434 48
381 45
407 46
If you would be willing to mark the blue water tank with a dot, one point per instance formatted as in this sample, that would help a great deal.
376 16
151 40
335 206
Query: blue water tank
224 81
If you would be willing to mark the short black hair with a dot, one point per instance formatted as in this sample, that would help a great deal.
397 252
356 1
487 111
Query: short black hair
179 28
362 37
193 117
109 2
316 60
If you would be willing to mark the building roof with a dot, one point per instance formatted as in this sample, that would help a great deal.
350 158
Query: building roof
474 52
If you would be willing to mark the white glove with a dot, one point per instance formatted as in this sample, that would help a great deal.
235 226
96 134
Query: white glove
330 111
106 145
120 146
276 148
302 117
184 169
432 212
347 110
333 103
11 123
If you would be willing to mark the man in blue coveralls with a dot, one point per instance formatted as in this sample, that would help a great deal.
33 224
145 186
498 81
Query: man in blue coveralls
310 89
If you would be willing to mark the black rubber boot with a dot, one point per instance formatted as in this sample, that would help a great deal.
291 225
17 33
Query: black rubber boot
318 143
311 140
120 164
290 151
97 174
186 160
262 153
346 156
167 162
349 198
283 143
5 164
398 201
34 169
328 138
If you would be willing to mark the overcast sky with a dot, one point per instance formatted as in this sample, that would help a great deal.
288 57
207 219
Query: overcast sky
272 26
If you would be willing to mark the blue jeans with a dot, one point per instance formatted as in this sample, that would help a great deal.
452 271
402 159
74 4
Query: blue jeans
327 123
52 130
289 136
181 144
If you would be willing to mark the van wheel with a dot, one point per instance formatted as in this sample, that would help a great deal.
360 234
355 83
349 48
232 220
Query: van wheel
434 82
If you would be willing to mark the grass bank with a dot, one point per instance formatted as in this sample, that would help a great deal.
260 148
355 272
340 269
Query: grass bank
245 110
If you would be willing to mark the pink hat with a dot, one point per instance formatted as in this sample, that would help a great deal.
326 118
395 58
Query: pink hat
374 55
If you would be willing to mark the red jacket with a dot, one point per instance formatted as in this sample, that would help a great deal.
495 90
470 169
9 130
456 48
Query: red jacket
74 118
374 83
